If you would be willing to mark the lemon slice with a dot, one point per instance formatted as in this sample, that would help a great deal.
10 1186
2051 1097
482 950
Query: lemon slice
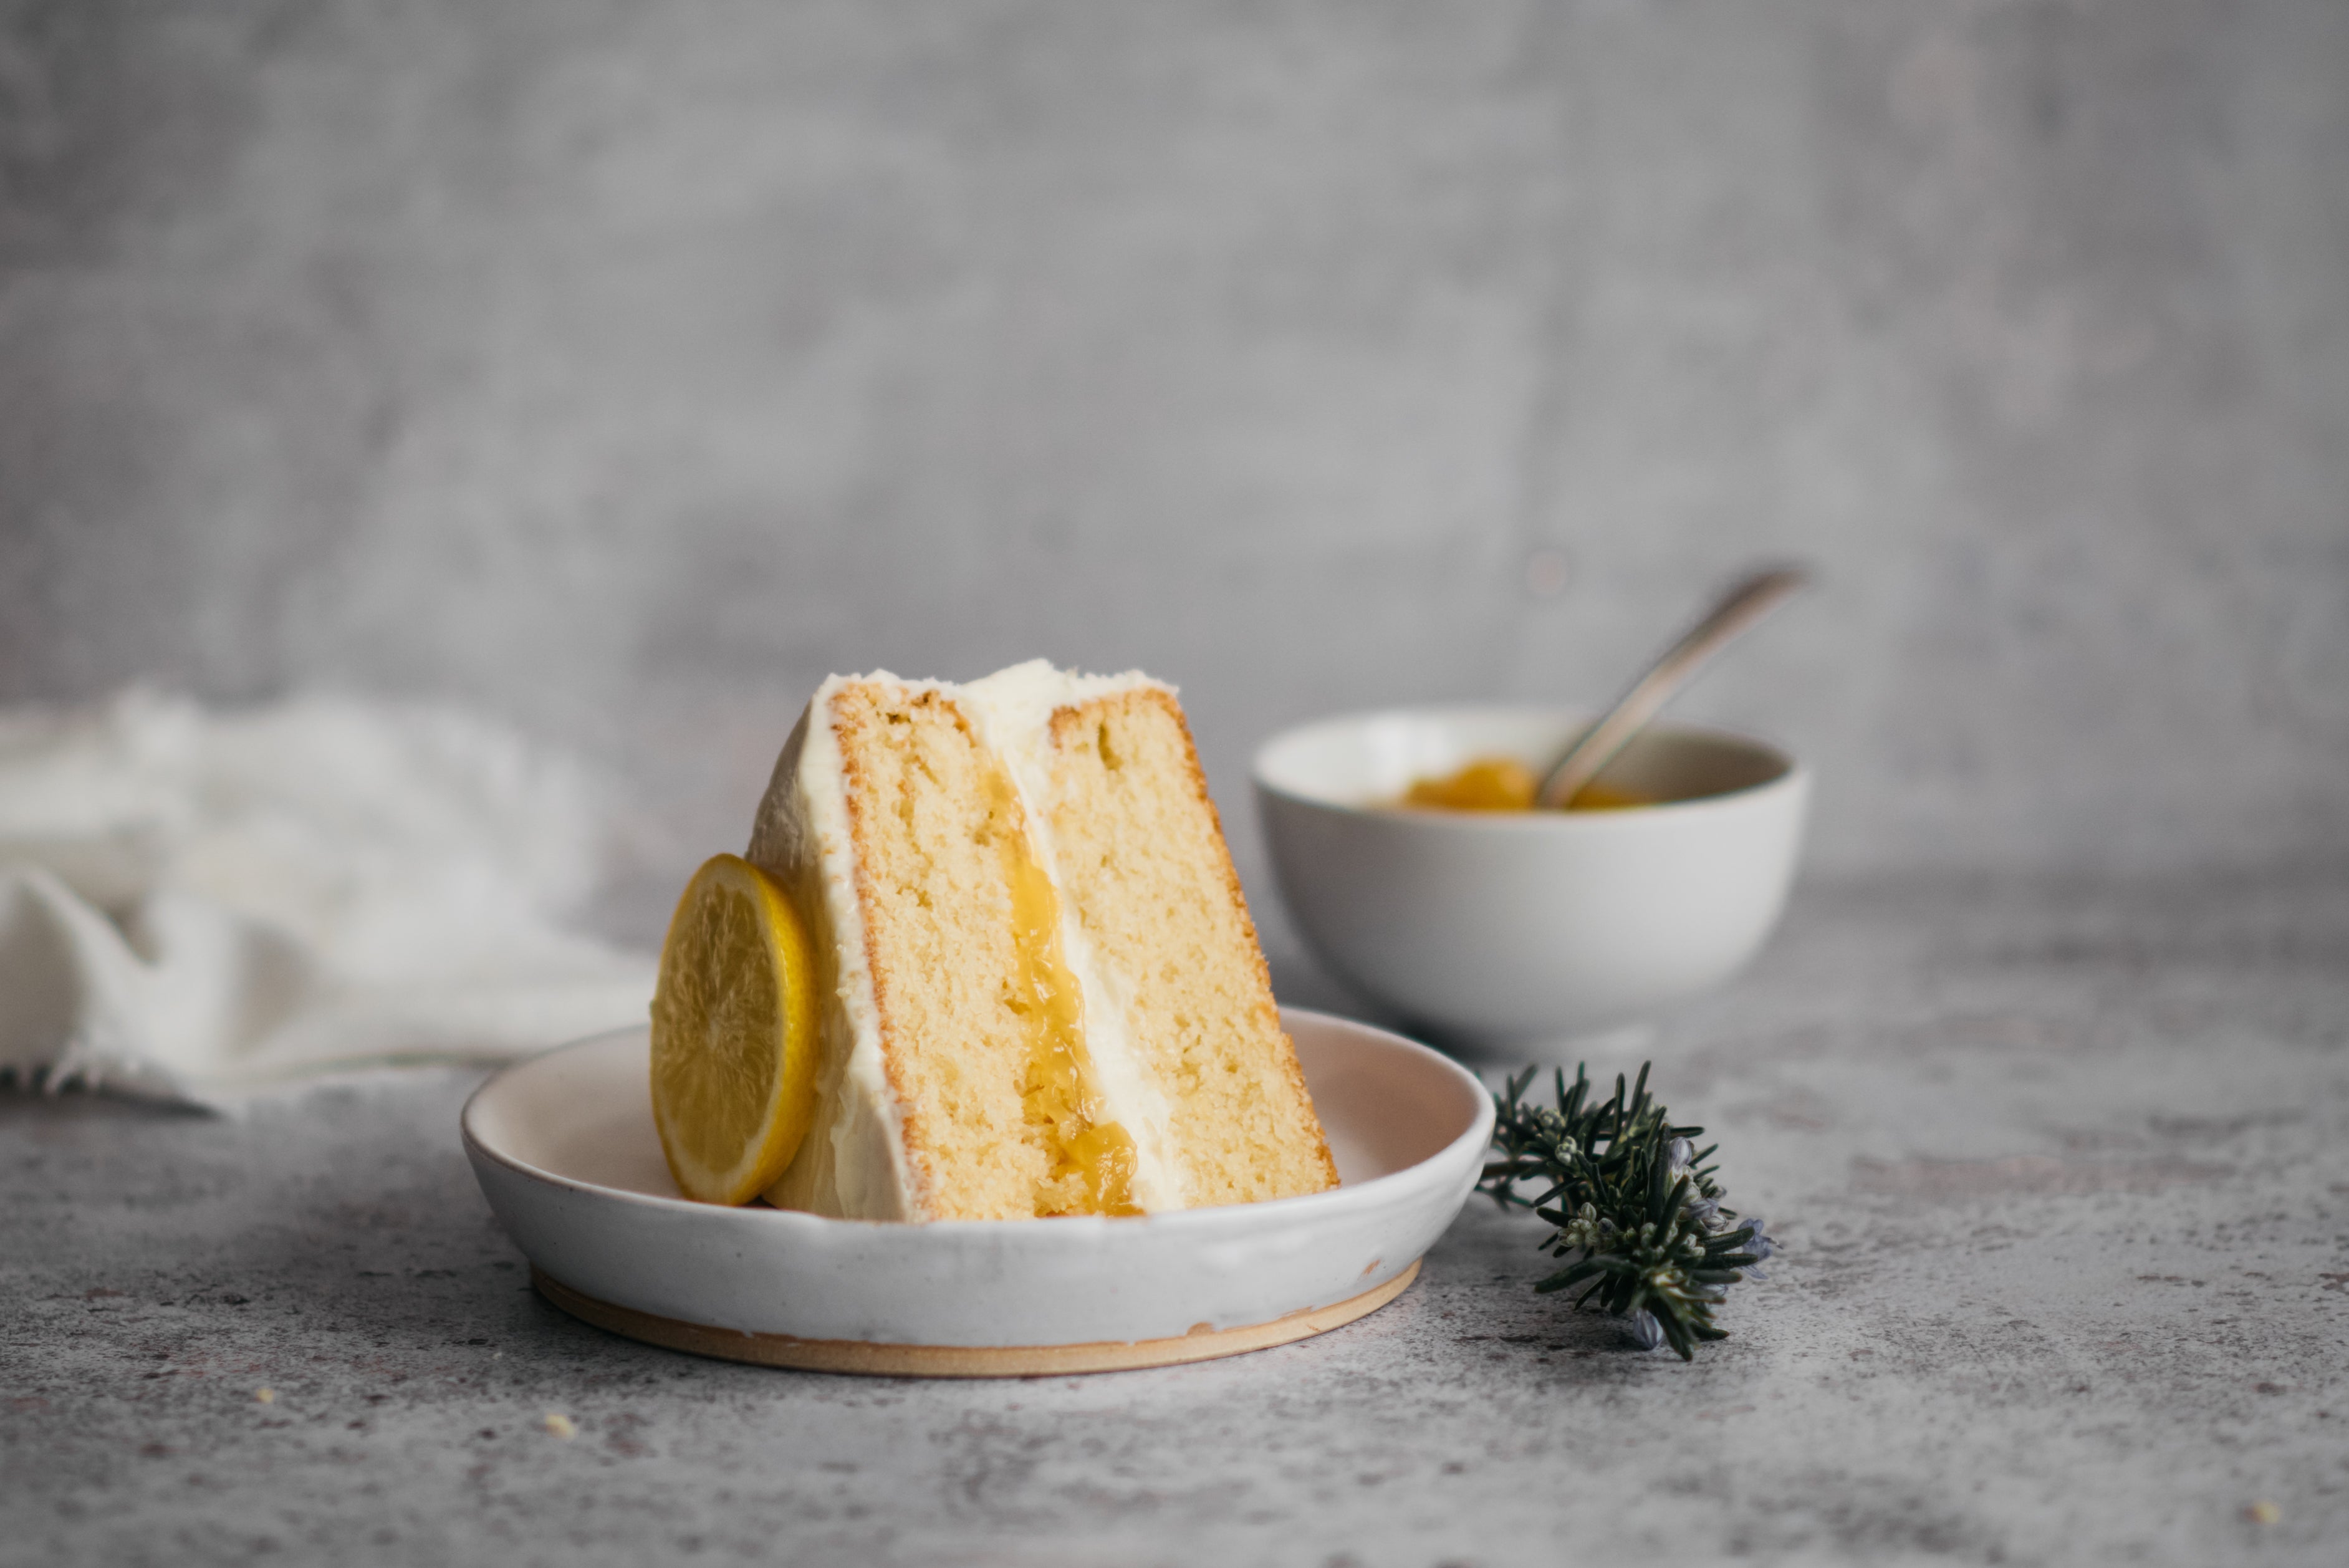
733 1033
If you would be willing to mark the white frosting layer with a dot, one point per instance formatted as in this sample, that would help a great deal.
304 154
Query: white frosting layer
854 1164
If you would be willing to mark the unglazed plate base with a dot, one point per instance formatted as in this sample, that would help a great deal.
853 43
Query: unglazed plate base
1202 1343
564 1149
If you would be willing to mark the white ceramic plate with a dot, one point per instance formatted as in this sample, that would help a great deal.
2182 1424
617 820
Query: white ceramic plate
564 1149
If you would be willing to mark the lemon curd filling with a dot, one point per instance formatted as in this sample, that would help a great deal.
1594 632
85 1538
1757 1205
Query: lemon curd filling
1092 1157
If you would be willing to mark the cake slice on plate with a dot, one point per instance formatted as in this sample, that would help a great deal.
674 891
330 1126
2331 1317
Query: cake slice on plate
1038 990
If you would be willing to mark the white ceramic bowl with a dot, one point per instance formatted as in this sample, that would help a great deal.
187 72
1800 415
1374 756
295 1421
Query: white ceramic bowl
1503 930
564 1149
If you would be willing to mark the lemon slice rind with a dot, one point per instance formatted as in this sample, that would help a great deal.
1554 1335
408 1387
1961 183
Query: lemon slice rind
733 1034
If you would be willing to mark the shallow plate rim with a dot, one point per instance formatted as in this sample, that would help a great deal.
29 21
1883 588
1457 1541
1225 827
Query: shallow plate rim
1368 1194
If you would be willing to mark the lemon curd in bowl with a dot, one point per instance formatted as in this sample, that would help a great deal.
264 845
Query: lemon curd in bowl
1504 783
1504 928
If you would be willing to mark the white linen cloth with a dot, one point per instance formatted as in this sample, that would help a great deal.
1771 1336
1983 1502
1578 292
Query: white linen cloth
196 903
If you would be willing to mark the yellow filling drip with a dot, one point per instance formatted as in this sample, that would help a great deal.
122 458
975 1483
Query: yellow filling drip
1092 1157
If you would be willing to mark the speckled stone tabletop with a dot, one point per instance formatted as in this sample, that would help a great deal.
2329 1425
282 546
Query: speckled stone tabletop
2058 1171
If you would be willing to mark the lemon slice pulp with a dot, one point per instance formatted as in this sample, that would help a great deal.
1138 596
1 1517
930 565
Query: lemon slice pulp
733 1060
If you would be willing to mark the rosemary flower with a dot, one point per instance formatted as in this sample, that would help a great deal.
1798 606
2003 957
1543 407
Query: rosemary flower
1583 1233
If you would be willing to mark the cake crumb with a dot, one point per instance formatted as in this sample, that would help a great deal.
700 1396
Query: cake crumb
265 1395
561 1425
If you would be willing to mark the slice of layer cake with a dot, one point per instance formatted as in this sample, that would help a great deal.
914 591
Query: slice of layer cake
1041 990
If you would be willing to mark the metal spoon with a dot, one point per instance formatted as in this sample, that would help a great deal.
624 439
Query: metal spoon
1755 596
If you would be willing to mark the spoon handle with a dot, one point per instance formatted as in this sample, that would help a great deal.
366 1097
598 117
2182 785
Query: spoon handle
1753 597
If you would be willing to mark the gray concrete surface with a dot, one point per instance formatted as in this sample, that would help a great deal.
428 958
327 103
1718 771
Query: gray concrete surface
624 367
2059 1170
628 366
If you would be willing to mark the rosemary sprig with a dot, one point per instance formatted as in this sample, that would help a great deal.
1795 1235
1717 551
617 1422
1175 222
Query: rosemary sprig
1633 1203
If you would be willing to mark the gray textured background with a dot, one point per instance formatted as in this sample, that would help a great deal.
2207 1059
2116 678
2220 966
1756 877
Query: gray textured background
625 368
